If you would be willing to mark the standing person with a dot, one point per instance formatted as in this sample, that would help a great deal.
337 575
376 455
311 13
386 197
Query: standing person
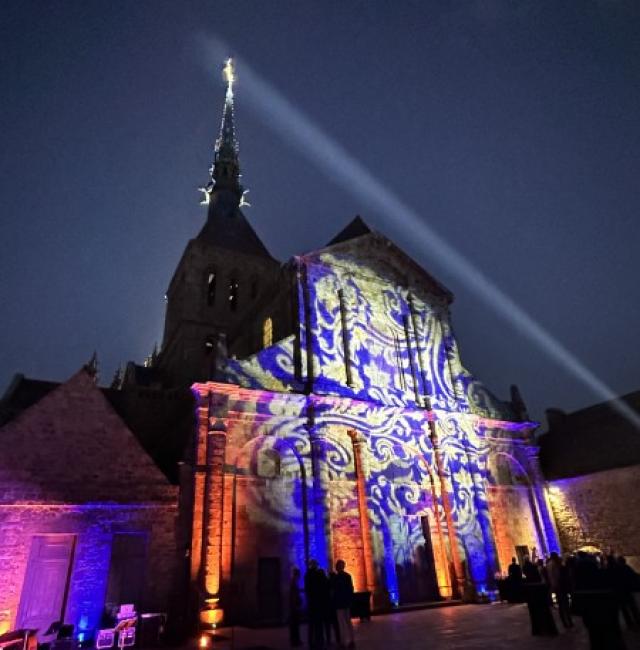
542 570
515 572
625 580
594 600
514 582
558 575
295 608
342 596
530 571
315 590
330 616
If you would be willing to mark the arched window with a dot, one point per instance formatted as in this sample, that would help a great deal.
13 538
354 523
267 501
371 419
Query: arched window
211 287
268 463
233 294
267 332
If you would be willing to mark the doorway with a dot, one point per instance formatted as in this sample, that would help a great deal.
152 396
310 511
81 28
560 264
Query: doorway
46 583
127 570
269 593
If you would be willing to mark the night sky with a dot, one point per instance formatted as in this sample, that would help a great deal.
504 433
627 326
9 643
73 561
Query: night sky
513 128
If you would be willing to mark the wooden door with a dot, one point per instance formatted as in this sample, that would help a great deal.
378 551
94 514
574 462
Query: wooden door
127 570
44 591
269 593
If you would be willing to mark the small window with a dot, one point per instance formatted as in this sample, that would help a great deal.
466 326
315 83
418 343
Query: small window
233 294
268 463
267 332
211 288
254 289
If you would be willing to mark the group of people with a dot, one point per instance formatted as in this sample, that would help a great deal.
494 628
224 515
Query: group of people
328 606
593 586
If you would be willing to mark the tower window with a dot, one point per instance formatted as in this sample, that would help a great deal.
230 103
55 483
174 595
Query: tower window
267 332
211 288
233 294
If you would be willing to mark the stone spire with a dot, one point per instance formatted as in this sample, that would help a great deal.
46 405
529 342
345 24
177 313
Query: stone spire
91 366
225 171
226 226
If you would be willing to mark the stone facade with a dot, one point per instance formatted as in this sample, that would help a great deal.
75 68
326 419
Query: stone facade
600 511
70 468
359 436
334 419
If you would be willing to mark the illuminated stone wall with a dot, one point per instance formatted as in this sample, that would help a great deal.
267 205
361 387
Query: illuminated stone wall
385 462
69 465
600 510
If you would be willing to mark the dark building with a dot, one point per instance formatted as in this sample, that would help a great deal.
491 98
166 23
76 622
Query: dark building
591 459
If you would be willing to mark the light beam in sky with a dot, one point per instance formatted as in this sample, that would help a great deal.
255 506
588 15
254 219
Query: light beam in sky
331 158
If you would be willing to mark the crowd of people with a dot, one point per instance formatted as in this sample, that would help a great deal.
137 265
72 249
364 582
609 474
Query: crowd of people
328 606
596 587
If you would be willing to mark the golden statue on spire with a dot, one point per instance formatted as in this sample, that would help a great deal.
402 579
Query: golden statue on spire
229 72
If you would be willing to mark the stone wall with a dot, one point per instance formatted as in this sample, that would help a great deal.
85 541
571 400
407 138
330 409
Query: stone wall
69 465
93 528
601 510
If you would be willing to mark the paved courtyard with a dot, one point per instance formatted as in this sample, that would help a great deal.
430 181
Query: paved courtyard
472 627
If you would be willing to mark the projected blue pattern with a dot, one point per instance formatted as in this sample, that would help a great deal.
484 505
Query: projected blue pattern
402 370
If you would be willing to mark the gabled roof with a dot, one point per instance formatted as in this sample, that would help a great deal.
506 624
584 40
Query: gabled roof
358 229
353 229
162 421
75 422
21 394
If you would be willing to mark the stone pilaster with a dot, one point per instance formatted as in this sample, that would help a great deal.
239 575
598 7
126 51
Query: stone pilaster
359 448
541 506
458 579
214 508
321 543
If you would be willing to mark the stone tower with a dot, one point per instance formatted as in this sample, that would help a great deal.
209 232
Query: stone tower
222 274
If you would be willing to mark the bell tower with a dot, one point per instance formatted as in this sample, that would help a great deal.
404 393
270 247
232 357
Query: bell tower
222 274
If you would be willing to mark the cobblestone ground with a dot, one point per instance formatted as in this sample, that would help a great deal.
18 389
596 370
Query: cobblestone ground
472 627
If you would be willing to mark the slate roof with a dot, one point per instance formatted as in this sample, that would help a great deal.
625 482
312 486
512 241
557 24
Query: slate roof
162 420
227 227
355 228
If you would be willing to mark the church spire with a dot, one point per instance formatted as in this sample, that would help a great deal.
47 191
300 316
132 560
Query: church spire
227 144
225 171
226 225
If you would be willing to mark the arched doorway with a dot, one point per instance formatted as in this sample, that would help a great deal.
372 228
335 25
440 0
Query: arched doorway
512 508
269 527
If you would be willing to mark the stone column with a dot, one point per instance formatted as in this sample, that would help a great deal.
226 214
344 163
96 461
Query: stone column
542 512
199 471
442 562
365 525
320 497
483 515
458 578
213 508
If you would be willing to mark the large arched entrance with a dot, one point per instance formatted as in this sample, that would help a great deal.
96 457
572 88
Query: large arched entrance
269 527
513 512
